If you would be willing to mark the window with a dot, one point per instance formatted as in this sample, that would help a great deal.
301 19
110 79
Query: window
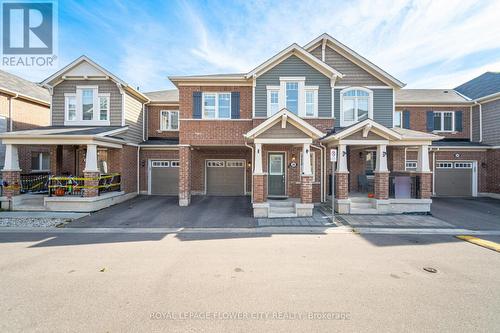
160 164
217 105
215 164
444 165
444 121
411 165
40 161
169 120
398 119
292 97
174 164
311 99
370 162
235 164
273 101
356 106
463 165
313 171
103 107
87 106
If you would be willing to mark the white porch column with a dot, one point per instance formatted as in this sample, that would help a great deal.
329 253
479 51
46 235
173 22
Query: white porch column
423 159
342 158
306 163
11 159
91 159
258 159
381 162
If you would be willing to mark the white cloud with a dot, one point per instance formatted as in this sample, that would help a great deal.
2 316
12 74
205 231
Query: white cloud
423 43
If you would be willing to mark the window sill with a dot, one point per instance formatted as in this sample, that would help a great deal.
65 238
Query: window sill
167 130
447 132
39 171
86 123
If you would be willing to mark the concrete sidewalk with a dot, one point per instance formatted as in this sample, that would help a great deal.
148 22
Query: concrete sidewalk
46 215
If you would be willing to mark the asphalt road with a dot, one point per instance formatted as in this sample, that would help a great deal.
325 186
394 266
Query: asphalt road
374 283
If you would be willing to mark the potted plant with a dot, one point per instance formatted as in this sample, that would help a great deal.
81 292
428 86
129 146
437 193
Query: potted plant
59 192
371 195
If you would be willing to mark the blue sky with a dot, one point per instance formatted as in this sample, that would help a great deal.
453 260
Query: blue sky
426 44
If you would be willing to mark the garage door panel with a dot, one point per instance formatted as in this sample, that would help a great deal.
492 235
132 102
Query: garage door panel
453 181
225 181
164 180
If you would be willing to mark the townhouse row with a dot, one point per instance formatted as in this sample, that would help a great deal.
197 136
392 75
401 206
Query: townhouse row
266 134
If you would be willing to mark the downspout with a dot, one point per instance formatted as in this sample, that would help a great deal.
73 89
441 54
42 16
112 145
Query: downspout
322 197
11 122
434 171
138 168
251 165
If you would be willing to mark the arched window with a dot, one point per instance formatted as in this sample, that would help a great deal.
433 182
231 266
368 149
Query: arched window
356 104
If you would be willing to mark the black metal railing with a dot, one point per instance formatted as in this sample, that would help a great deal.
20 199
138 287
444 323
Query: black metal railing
404 186
75 186
35 183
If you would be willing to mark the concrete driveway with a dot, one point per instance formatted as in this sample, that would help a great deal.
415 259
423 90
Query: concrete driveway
164 212
470 213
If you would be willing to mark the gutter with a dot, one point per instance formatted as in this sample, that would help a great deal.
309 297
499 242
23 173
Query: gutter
480 121
11 122
251 179
322 149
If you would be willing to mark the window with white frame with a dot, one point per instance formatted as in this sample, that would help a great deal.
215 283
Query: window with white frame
235 164
169 120
216 106
174 164
370 161
40 161
273 101
398 119
411 165
463 165
87 106
444 165
313 171
295 96
444 121
311 99
356 105
215 164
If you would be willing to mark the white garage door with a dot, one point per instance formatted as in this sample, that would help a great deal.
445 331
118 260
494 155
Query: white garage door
455 178
164 177
225 177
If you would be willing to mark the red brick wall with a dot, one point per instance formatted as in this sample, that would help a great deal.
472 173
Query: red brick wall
149 155
493 171
154 122
124 161
418 119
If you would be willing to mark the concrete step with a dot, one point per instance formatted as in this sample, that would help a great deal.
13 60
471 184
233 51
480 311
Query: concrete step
359 199
282 210
361 205
364 211
281 203
281 216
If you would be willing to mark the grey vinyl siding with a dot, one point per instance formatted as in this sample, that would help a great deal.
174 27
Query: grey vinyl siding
382 106
353 74
69 86
133 119
293 66
475 124
491 122
290 131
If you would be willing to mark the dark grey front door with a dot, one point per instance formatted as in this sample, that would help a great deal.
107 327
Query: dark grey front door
276 174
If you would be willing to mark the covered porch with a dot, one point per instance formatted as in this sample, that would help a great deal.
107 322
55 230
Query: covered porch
371 176
59 170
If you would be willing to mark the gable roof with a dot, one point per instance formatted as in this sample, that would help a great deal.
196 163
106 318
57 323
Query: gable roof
59 75
429 97
285 115
369 125
302 54
163 96
484 85
12 84
356 58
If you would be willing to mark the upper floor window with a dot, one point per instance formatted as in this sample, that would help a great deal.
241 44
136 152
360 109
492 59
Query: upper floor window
169 120
398 119
216 105
444 121
356 105
87 107
294 95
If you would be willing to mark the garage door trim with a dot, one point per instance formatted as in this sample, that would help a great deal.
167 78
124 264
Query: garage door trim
226 160
456 164
175 164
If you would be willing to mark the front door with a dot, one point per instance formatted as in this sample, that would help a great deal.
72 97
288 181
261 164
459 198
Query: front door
276 175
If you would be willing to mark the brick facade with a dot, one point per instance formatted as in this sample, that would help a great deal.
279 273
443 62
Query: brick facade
425 185
91 182
185 171
341 185
12 182
153 127
259 188
306 189
147 155
381 185
492 170
418 119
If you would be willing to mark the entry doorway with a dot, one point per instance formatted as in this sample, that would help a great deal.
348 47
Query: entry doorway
276 179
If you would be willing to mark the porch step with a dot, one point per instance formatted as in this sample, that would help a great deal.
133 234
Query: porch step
362 205
359 199
282 210
280 215
366 211
281 203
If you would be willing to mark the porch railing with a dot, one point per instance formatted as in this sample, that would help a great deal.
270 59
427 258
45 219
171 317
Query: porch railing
404 186
75 186
35 183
